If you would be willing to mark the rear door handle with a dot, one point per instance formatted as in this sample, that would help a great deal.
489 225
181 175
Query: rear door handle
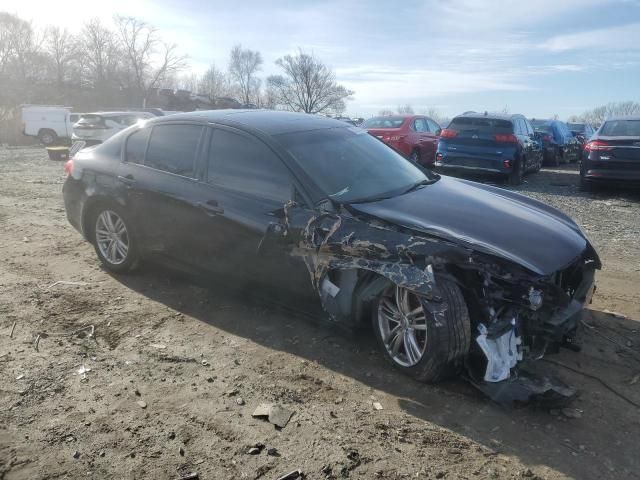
211 208
128 180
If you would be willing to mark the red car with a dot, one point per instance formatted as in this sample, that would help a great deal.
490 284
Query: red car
416 136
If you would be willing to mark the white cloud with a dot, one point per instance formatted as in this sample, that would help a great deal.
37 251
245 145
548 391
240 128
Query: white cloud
613 38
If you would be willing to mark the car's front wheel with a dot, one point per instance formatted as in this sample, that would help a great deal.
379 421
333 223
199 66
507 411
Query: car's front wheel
113 239
423 338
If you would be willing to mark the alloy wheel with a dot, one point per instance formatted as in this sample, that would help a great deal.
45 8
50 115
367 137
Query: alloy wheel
403 326
112 237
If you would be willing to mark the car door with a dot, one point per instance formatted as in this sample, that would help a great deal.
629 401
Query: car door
421 139
159 175
432 139
251 185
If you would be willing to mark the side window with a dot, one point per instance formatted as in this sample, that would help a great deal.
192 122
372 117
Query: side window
136 146
529 127
421 125
245 164
433 126
517 130
173 148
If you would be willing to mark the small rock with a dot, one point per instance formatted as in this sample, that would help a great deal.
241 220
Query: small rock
440 474
137 392
527 473
171 435
142 403
572 413
272 452
210 379
339 400
239 401
378 406
205 363
181 451
102 454
76 454
253 451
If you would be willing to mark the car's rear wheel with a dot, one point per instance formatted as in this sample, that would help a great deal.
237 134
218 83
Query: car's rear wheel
517 173
113 239
424 339
47 137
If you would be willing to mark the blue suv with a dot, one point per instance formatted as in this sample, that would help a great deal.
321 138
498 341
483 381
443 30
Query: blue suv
484 143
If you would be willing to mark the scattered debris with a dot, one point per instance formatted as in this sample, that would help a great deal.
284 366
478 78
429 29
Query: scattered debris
189 476
572 412
13 327
377 406
295 475
615 314
36 343
76 454
171 435
159 346
20 377
256 449
276 414
181 451
63 282
240 401
142 403
273 452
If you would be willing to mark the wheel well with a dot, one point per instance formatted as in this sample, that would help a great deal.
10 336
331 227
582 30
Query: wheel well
88 212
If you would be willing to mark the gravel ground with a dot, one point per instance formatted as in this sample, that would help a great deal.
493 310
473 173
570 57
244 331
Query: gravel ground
167 384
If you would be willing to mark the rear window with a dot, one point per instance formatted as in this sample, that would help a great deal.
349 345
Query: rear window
481 124
576 127
91 121
621 128
542 127
384 122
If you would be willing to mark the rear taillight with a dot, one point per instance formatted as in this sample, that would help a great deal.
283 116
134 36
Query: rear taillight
509 138
448 133
68 167
597 146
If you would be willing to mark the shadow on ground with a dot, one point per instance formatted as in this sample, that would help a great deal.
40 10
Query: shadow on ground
601 443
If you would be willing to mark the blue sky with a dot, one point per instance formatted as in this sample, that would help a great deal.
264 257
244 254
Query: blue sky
538 57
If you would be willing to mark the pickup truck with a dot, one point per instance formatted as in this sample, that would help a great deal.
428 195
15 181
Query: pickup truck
50 123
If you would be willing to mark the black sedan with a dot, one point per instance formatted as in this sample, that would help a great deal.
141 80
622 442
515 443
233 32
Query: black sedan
450 274
612 155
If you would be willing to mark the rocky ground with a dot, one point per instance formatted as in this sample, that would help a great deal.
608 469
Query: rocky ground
157 375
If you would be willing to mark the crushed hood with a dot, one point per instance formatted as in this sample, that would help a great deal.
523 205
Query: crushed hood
512 226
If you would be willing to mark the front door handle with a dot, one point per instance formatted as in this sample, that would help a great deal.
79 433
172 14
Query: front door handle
211 208
128 180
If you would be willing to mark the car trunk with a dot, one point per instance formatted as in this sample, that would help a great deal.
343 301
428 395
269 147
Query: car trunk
477 138
623 154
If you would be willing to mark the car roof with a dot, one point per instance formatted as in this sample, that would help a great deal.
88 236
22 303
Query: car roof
623 117
271 122
493 116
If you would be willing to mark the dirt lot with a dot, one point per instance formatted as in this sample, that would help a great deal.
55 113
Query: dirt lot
176 367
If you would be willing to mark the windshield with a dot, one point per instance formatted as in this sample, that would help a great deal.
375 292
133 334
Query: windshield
384 122
621 128
349 165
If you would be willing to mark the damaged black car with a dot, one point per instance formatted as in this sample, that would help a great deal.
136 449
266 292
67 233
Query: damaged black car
454 276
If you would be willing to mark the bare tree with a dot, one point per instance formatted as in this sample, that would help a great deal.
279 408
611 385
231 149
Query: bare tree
148 59
307 85
598 115
243 66
61 48
405 109
101 53
214 83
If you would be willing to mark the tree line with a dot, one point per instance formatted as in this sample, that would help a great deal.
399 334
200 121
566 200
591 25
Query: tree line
599 114
123 64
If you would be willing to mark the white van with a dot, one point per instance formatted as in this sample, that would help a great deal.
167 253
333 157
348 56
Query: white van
49 123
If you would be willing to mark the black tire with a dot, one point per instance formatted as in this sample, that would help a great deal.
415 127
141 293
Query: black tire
517 174
47 137
447 345
585 185
129 261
